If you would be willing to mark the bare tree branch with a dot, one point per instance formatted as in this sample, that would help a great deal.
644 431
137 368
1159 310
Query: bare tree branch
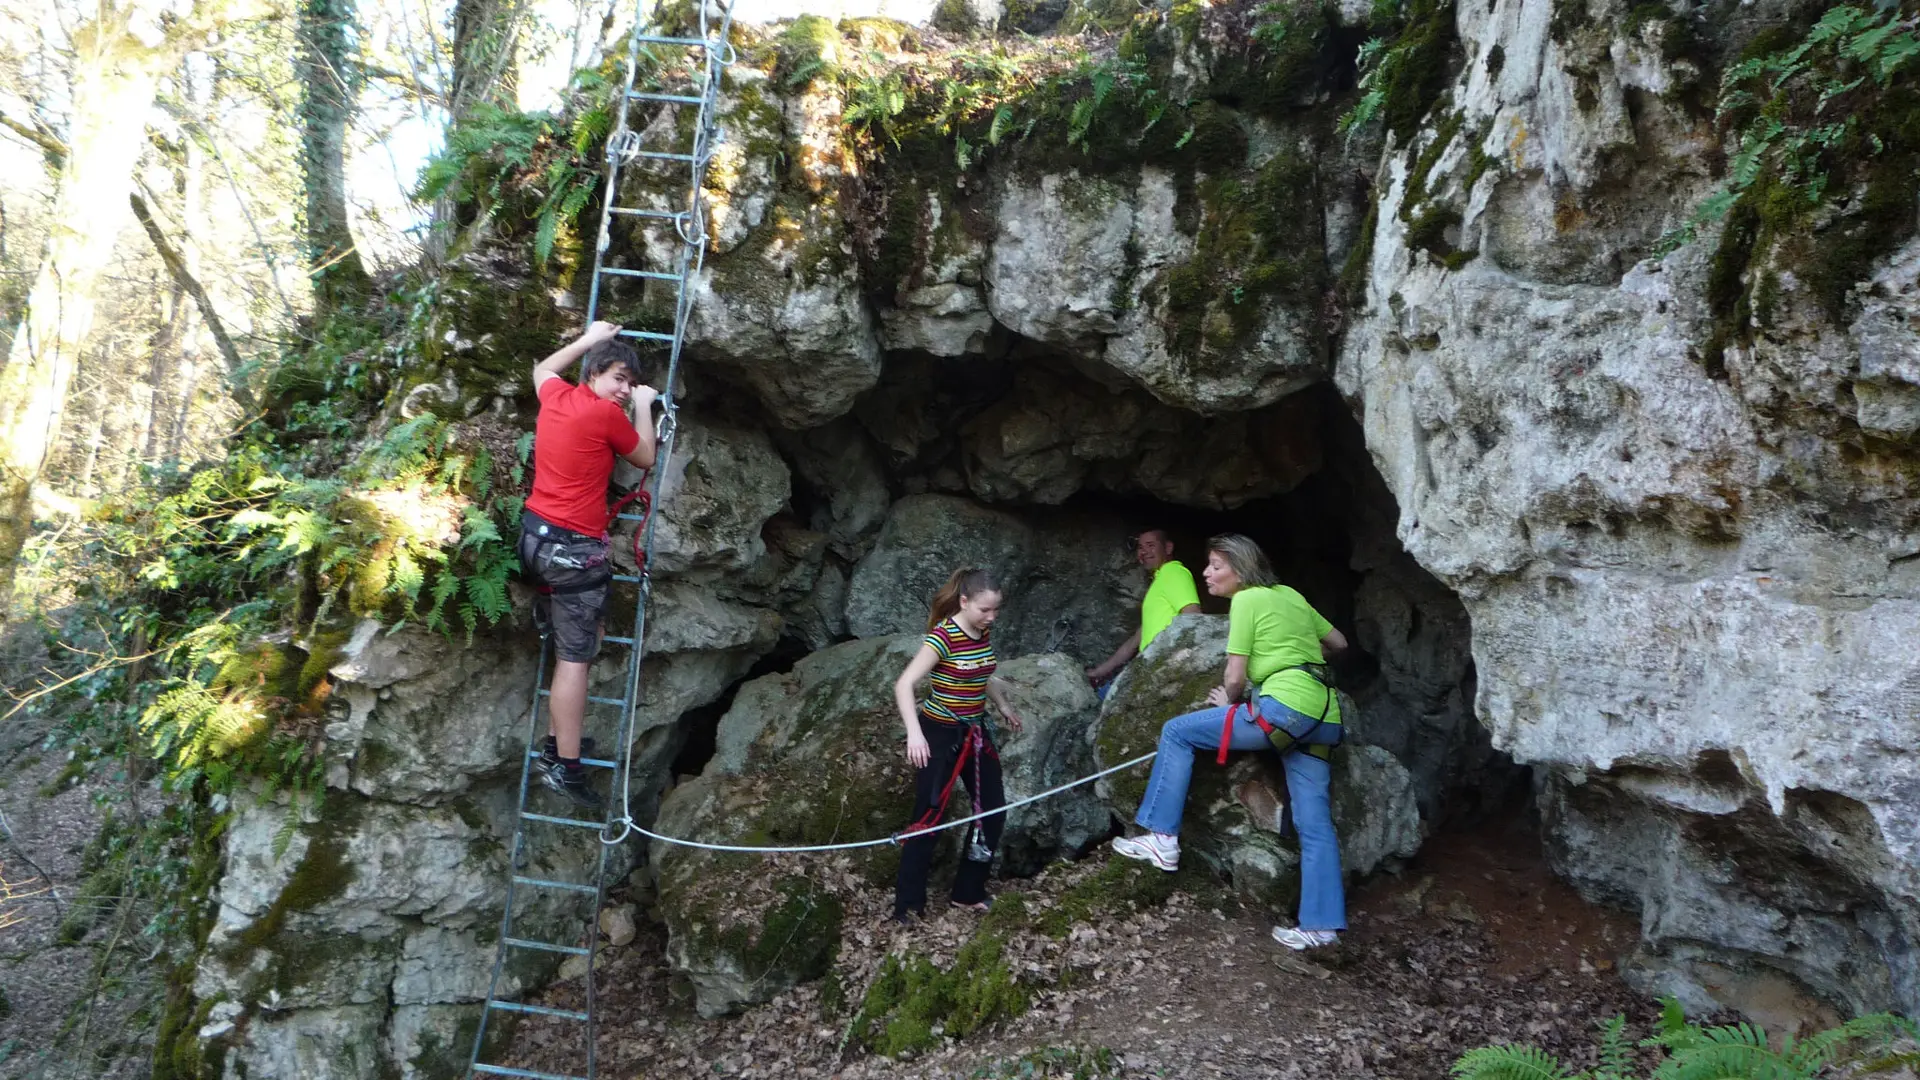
177 266
38 136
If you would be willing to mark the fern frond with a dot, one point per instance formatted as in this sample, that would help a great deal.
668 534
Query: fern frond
1509 1063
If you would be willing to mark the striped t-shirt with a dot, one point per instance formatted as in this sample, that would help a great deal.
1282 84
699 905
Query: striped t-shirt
960 674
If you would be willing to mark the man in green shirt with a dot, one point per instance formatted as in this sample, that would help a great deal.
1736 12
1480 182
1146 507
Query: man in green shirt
1170 592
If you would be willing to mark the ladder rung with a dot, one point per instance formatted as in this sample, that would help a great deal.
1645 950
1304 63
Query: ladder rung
537 1010
546 946
546 883
594 700
631 579
651 275
585 762
654 39
502 1070
630 517
635 211
675 99
613 640
647 335
550 819
664 155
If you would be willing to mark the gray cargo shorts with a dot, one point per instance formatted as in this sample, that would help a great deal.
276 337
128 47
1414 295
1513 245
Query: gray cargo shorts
573 573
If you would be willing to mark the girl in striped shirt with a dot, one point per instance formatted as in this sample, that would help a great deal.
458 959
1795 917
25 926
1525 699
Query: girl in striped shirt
947 738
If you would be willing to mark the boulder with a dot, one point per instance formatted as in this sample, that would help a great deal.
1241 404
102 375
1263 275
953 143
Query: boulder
1234 815
817 756
1146 299
1069 582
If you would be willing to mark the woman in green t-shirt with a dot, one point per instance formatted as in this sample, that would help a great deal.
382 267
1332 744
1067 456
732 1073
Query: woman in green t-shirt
1273 634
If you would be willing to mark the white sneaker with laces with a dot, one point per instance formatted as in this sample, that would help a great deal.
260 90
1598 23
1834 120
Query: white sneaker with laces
1161 851
1301 940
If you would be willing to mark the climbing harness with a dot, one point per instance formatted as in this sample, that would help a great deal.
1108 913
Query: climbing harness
974 747
703 58
1283 740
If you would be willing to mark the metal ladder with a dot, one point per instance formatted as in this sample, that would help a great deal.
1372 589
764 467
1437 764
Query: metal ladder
704 58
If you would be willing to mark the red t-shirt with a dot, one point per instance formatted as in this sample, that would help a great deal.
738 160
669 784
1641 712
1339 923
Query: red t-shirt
574 443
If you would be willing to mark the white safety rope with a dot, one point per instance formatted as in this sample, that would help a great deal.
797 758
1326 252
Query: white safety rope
896 837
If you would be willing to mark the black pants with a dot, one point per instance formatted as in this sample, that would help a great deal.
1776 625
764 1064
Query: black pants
980 774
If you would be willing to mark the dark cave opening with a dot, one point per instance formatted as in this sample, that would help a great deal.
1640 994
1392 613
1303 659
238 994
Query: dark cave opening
1409 667
700 727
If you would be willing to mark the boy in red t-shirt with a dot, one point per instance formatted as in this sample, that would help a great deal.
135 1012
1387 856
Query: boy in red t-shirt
563 530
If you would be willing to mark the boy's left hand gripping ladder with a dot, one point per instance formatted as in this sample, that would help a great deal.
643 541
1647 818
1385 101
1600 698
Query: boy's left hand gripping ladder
702 60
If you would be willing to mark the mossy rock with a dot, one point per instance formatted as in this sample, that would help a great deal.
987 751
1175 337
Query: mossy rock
808 757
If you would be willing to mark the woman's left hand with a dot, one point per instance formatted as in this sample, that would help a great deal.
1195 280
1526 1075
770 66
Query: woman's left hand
1013 720
1217 697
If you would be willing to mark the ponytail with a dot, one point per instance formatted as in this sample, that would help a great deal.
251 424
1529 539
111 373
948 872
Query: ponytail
966 582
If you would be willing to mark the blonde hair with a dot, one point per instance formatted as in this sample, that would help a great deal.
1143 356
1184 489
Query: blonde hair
1245 559
964 584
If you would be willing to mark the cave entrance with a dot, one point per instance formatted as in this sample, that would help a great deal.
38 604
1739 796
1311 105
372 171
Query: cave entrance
700 727
1410 668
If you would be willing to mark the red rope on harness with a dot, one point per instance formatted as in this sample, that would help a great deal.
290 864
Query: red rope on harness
639 495
1226 730
933 815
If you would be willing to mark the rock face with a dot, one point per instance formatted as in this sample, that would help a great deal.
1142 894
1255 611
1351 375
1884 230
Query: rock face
1066 578
817 756
1234 815
358 938
1685 572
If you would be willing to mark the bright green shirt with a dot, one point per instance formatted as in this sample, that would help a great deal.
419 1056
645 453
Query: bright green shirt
1275 628
1171 589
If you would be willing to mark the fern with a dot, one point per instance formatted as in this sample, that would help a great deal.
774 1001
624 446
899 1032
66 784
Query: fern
1509 1063
1727 1052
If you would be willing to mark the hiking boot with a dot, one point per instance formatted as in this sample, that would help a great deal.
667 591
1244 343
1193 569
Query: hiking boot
1301 940
1161 851
550 757
573 784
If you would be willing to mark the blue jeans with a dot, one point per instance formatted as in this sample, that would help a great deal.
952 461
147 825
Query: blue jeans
1323 903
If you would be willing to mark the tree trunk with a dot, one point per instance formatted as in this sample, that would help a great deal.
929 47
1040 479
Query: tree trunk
327 98
161 348
486 36
114 78
485 40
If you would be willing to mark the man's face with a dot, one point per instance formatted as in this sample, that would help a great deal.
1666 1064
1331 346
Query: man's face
1152 549
614 384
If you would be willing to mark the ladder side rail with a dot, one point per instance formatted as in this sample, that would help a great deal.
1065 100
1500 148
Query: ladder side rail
602 237
692 258
514 852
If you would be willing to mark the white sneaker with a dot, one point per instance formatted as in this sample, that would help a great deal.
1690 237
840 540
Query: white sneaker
1302 940
1161 851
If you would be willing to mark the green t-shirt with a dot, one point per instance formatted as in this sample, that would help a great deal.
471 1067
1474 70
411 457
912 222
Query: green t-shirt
1275 628
1170 590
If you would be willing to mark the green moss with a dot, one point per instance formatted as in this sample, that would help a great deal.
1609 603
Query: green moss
1427 221
1121 888
800 935
955 17
1257 244
1353 272
808 49
1415 81
913 1002
1770 226
323 873
324 651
